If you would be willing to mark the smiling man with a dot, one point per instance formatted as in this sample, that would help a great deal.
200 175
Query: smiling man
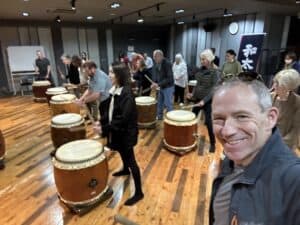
259 181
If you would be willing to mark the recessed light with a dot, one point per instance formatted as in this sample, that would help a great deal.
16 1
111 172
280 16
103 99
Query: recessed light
179 11
89 17
140 20
25 14
115 5
180 22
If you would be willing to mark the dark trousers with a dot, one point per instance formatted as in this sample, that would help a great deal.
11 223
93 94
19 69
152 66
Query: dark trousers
129 162
208 121
179 94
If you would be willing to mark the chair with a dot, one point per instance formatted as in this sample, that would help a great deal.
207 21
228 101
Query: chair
25 82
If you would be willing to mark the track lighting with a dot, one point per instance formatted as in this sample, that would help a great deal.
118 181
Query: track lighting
73 4
57 19
226 13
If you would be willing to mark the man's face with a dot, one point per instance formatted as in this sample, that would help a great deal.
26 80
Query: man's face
157 58
90 71
240 124
39 54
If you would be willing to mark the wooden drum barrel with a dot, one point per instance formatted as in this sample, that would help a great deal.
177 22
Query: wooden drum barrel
191 85
66 128
146 107
80 172
39 89
180 127
64 103
2 146
55 91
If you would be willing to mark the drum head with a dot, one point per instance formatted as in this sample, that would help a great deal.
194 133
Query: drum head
56 90
79 151
66 119
41 83
144 100
192 82
180 115
63 98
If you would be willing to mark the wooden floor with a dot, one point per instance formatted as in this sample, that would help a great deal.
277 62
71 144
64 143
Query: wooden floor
176 188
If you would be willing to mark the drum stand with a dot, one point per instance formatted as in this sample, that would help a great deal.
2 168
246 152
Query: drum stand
83 209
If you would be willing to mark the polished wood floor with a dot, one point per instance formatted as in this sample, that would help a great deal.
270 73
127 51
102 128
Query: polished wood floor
177 189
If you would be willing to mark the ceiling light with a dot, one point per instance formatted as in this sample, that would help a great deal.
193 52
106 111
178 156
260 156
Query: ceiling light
73 4
112 14
115 5
140 20
57 19
180 22
226 13
89 17
297 2
25 14
179 11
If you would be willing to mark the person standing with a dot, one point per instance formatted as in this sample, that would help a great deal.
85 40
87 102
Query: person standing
231 67
72 70
140 76
119 125
290 62
148 62
42 67
164 82
98 90
207 78
180 77
217 59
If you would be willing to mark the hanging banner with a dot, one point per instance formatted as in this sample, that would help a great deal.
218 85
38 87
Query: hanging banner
250 49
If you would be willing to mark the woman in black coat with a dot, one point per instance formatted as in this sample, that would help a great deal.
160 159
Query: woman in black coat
140 76
119 125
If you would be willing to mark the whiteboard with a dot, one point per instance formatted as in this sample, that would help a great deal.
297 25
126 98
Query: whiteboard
22 58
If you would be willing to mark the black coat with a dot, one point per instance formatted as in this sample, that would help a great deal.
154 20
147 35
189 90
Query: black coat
143 82
122 132
163 77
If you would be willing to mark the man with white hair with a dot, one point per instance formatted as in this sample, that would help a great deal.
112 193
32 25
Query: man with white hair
258 182
164 82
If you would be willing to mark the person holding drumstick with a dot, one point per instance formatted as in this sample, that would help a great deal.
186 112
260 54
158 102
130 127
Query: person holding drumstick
207 78
99 86
119 125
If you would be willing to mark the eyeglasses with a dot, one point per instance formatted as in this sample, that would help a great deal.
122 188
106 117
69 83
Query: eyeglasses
250 76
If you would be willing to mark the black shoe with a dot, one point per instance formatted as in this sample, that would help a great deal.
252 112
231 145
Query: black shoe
52 153
2 165
134 199
212 148
121 173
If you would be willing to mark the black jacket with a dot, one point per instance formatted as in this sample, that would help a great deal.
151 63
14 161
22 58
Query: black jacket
143 82
122 132
268 193
164 76
73 74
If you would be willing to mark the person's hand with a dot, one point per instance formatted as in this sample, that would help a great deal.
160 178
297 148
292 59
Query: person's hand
97 128
79 102
201 103
189 95
154 86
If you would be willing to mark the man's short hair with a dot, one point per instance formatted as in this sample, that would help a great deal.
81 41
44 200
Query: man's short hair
90 65
231 52
65 56
264 98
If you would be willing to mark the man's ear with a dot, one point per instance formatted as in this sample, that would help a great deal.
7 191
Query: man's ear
272 117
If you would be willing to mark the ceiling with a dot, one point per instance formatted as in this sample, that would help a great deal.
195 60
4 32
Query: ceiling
101 11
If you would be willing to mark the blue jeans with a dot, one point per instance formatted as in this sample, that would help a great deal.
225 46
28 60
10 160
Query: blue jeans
165 99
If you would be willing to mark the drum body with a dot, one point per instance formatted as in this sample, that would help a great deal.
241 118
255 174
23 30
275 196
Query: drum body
191 85
180 127
80 172
39 89
64 103
146 107
55 91
2 146
66 128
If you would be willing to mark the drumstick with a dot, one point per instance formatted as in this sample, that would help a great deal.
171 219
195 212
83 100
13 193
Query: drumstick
149 79
123 220
189 106
146 90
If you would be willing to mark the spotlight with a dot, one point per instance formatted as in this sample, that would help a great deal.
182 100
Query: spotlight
180 22
179 11
73 4
89 17
226 13
57 19
297 2
25 14
115 5
140 20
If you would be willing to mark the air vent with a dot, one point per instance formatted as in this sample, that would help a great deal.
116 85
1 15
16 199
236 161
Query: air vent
61 11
